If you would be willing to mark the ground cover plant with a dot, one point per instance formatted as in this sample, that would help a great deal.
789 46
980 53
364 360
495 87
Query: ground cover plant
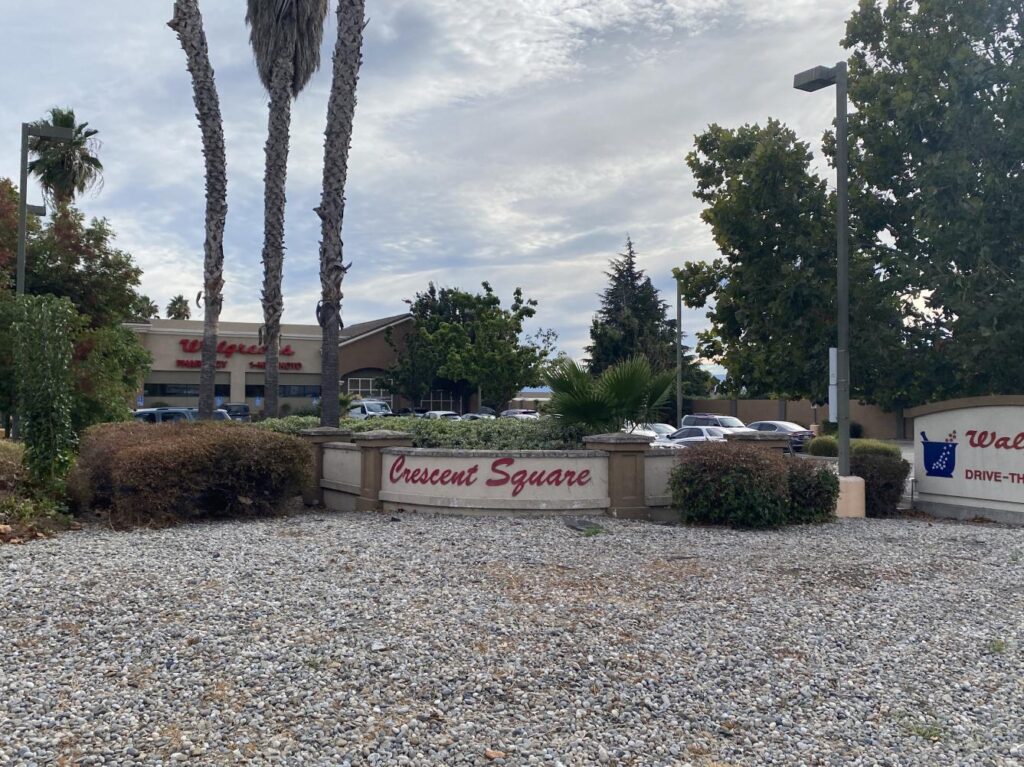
487 434
880 464
748 486
24 514
138 474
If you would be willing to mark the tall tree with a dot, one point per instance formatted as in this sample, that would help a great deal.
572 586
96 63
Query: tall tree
178 308
631 319
464 343
65 169
773 291
285 37
187 22
937 142
341 108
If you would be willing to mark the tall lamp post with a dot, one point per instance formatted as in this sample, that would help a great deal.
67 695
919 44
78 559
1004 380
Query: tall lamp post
679 354
27 131
813 80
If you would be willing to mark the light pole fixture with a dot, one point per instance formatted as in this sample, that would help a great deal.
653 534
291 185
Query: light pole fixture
813 80
679 354
41 131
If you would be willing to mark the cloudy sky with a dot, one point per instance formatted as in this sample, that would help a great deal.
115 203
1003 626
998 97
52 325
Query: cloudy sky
515 141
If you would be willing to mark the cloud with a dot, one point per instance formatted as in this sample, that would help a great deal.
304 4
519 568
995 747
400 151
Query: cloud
516 141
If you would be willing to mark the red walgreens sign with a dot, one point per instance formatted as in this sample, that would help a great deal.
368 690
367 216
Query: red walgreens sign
195 345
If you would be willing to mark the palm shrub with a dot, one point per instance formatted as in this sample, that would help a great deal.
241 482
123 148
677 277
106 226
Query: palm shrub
628 391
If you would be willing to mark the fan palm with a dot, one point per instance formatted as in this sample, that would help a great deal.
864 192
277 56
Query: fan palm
178 308
627 392
65 169
187 22
341 108
285 37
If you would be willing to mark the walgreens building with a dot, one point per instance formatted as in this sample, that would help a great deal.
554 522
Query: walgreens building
176 347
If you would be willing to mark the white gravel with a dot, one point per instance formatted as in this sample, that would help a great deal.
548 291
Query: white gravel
325 639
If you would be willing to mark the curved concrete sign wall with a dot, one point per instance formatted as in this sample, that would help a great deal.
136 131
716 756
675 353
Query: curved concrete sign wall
969 461
485 480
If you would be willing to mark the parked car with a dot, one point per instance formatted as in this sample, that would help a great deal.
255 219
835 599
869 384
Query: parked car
172 414
415 412
369 408
520 413
478 417
726 423
238 411
692 434
798 435
443 415
655 430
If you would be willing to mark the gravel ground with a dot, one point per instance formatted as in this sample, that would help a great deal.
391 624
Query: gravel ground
322 639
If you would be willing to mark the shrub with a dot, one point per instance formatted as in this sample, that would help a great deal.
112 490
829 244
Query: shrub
884 479
144 474
829 446
496 434
12 471
831 427
813 491
734 484
26 517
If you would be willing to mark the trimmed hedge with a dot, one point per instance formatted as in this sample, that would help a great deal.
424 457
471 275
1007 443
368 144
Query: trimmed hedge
486 434
813 491
829 446
141 474
884 479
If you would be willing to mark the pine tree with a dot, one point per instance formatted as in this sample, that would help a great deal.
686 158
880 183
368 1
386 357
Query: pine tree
631 319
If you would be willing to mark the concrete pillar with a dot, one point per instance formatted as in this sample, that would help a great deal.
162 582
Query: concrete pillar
370 445
767 439
312 494
627 487
851 498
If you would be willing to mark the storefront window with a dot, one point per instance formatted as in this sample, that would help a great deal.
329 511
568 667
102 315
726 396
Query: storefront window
285 390
368 388
182 390
438 400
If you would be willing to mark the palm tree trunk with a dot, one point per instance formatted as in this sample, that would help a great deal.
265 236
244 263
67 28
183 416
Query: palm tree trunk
187 22
274 180
341 109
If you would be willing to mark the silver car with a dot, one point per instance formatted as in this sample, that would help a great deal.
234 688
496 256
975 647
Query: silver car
691 434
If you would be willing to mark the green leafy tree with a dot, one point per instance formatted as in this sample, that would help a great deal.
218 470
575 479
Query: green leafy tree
463 342
628 391
178 308
938 166
772 293
65 169
43 335
108 369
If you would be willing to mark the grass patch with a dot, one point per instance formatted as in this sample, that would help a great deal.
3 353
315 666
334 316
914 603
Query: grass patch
996 646
927 731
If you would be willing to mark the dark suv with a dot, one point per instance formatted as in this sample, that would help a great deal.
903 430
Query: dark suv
238 411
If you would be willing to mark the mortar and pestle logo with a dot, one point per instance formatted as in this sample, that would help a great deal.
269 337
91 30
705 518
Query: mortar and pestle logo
939 457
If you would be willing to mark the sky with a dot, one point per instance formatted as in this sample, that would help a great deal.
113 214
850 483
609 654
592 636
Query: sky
513 141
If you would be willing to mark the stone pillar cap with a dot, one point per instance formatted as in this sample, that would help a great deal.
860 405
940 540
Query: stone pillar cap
381 434
324 431
619 439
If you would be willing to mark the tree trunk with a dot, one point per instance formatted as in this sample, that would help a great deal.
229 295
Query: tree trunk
187 22
274 180
341 109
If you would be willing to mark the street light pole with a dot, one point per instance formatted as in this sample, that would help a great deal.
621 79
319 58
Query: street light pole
812 80
42 131
679 354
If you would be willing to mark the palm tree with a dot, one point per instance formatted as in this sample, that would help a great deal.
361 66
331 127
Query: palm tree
341 108
285 37
65 169
178 308
187 22
627 392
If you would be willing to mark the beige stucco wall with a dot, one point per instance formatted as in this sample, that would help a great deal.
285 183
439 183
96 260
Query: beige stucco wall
658 465
876 422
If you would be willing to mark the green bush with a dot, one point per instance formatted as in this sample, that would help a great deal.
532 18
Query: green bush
831 427
12 470
825 445
731 484
813 491
496 434
142 474
884 479
829 446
